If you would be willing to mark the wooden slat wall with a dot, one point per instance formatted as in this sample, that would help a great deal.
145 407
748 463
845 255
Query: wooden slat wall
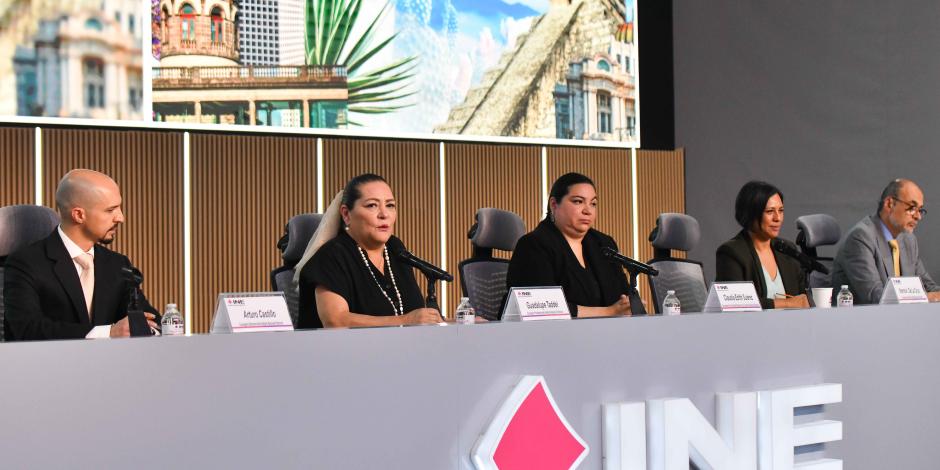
148 166
413 171
244 189
17 166
610 170
660 188
485 175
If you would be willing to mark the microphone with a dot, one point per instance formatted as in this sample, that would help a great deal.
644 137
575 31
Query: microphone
429 270
629 263
808 263
132 275
634 267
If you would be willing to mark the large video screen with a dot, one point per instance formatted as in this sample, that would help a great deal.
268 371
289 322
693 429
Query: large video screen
550 70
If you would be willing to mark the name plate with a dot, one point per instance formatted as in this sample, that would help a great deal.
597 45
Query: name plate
904 290
247 312
732 297
536 303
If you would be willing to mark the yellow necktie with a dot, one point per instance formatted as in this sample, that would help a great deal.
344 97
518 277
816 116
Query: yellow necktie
896 257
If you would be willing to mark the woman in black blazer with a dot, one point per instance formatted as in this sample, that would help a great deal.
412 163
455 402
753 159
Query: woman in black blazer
749 256
565 251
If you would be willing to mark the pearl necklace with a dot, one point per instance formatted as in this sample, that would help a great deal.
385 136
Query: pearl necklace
400 310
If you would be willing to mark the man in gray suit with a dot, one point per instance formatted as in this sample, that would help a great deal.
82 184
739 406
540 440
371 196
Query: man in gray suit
883 245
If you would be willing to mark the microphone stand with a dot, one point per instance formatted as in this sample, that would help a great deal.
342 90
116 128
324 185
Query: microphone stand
634 268
135 314
636 303
431 301
431 273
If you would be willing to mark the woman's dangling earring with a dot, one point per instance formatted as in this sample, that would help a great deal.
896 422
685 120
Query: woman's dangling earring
551 216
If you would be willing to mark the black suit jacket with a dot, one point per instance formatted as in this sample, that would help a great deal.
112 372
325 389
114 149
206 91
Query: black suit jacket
43 296
542 257
736 260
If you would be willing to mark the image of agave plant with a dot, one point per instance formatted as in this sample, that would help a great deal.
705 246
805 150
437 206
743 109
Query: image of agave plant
329 41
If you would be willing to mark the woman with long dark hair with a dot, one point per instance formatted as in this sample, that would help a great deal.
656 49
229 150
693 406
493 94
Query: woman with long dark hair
347 277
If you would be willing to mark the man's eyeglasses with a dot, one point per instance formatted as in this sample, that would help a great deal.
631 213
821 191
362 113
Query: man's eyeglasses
912 207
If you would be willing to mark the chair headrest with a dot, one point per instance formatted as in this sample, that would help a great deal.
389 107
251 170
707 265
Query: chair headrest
819 229
24 224
496 228
300 229
675 232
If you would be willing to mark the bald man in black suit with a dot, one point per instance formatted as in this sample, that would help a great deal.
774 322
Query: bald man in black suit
69 285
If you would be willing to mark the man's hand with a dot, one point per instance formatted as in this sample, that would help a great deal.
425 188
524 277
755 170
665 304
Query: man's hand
122 329
933 296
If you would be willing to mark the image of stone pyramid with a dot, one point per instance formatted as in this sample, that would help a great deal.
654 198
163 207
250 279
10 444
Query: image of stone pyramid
515 97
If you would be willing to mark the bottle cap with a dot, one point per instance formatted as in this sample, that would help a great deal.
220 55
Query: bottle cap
670 292
845 286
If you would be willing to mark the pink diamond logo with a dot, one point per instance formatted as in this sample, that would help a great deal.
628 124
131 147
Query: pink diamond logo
529 432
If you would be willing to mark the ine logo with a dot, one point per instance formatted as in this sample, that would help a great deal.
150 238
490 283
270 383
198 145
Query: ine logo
529 432
235 301
755 430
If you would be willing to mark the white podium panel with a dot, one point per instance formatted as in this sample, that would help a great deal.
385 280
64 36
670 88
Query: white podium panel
421 397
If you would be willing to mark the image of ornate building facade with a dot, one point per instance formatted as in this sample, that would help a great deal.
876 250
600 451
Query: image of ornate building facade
85 63
597 100
202 76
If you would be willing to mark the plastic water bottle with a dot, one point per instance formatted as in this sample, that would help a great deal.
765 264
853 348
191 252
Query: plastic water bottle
671 305
172 322
845 297
465 313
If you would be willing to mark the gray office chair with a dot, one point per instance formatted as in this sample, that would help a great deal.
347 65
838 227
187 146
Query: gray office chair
483 277
813 231
297 234
677 232
21 226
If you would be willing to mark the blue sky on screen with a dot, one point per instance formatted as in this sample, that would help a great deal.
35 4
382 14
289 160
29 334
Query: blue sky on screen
477 14
495 10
